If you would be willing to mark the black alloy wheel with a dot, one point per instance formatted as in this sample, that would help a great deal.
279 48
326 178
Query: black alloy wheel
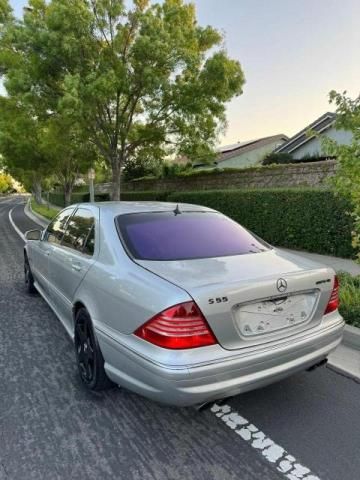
88 354
29 279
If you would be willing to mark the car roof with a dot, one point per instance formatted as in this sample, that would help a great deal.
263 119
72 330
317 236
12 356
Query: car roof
121 208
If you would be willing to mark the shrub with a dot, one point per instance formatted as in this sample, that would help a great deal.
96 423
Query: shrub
350 298
309 219
171 170
5 183
277 158
141 167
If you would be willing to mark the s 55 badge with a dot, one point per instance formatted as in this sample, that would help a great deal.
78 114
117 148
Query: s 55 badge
218 300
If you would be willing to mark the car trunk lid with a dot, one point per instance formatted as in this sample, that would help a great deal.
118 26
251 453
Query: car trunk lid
243 297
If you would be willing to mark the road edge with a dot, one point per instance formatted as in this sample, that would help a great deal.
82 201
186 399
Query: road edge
17 230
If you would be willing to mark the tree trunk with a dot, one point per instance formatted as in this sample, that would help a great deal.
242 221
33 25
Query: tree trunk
116 177
37 190
67 194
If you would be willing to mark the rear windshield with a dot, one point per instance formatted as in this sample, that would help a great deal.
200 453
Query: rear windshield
189 235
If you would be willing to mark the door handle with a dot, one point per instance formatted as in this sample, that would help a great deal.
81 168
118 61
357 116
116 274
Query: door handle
76 267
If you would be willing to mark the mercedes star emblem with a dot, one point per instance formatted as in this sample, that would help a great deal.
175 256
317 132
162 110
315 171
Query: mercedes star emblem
281 285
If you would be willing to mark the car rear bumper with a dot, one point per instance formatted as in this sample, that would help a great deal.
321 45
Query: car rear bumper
196 384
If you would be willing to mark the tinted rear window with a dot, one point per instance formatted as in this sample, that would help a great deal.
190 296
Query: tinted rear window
189 235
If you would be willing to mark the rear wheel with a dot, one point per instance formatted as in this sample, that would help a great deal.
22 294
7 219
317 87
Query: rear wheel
29 279
88 354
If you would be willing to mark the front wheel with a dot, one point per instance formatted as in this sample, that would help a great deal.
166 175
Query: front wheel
88 354
29 279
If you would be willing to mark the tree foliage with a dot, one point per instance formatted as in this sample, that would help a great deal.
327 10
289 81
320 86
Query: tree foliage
347 179
37 141
144 78
20 138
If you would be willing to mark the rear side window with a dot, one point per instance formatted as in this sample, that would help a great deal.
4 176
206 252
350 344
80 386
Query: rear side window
185 236
56 229
80 233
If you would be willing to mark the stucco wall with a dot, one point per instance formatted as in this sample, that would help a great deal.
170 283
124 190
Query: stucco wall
294 175
251 158
313 147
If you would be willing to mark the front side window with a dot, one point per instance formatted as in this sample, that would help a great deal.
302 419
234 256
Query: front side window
56 229
80 233
185 236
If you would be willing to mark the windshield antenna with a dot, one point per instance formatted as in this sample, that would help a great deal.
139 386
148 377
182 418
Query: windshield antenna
177 210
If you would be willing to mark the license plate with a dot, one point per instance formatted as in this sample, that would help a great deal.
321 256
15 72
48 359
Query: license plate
268 316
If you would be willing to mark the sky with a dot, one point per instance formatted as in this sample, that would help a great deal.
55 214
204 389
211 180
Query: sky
293 54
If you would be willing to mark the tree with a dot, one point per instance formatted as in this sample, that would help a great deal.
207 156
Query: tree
19 146
67 150
34 149
347 178
36 139
148 77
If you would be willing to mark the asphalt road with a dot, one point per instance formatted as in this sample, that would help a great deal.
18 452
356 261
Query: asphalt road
51 428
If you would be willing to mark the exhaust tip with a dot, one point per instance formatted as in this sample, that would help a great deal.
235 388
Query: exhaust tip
206 405
317 365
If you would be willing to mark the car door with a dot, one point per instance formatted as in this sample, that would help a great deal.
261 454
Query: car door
71 259
43 249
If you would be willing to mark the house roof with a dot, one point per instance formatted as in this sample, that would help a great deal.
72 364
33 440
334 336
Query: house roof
319 125
230 151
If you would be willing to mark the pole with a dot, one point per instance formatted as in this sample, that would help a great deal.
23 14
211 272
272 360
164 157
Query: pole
91 189
91 176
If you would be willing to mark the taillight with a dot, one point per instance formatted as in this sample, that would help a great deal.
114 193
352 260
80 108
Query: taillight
178 327
334 298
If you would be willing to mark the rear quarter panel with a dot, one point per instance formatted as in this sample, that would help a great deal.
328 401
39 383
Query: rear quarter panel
119 294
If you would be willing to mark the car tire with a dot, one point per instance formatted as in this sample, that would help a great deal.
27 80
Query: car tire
29 279
89 358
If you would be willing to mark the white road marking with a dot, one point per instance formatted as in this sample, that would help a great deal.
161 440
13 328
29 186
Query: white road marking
273 453
17 230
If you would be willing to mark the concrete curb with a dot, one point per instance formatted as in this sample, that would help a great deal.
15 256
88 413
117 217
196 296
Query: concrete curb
35 217
346 358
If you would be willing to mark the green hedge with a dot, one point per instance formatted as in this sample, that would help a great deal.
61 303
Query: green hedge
59 199
307 219
304 218
145 196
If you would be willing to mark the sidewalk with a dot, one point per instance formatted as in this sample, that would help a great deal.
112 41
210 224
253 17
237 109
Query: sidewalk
338 264
346 358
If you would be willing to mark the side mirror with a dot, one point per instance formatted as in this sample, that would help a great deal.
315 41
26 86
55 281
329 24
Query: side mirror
33 235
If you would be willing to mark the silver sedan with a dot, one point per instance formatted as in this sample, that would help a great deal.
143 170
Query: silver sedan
178 302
